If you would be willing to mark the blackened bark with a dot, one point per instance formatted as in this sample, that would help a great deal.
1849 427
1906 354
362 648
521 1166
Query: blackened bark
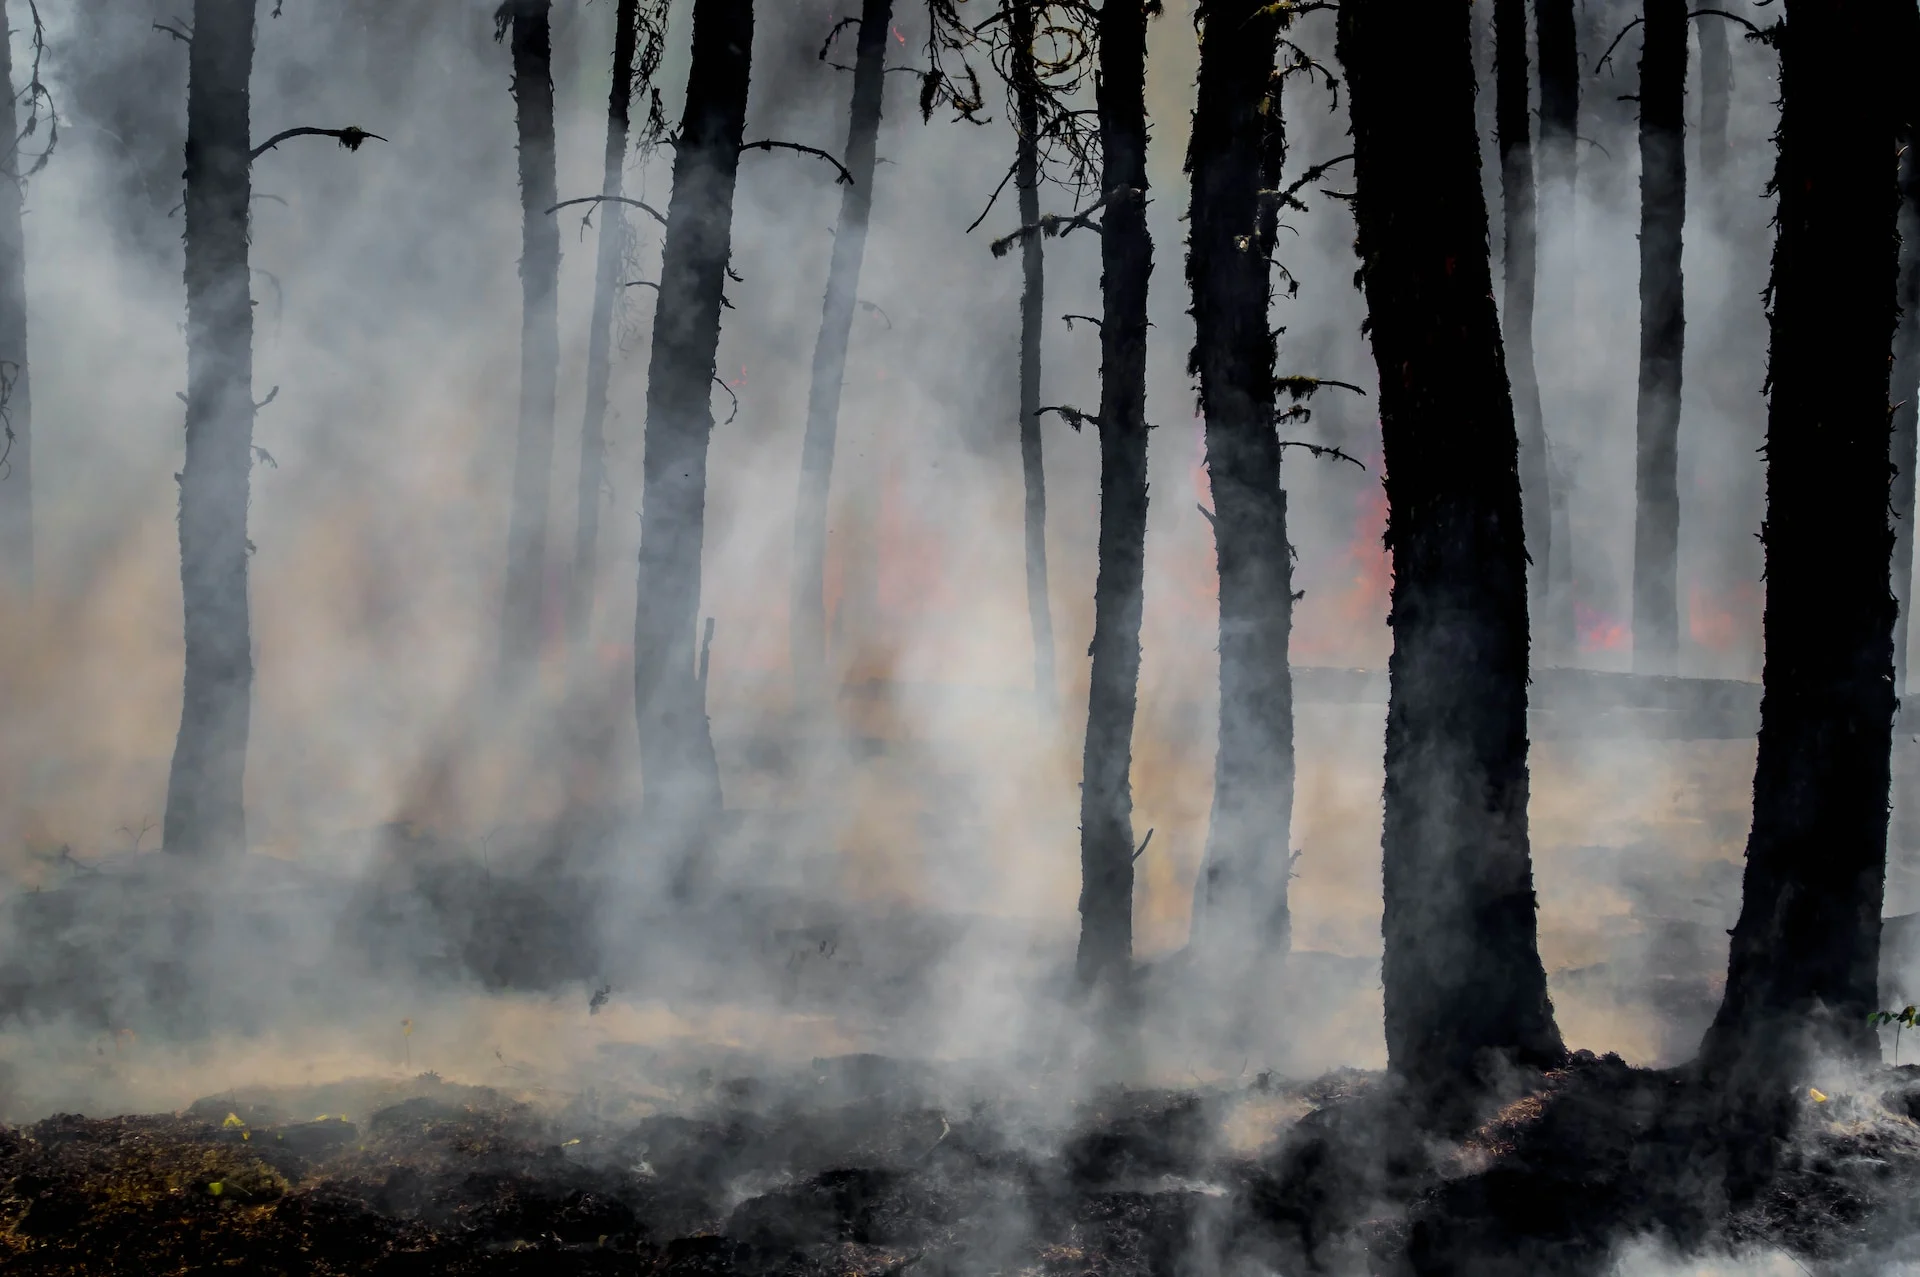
522 605
1033 293
607 289
1237 149
1126 260
16 472
1464 985
1513 124
1556 40
204 800
1663 214
676 741
1716 95
1802 971
809 625
1558 51
1906 400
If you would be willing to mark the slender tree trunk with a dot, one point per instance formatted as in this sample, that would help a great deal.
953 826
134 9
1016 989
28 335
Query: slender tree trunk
1557 46
809 627
1663 214
1126 259
204 800
1906 400
608 287
1238 148
676 741
1033 294
1463 979
1802 973
1716 97
16 472
1513 123
522 605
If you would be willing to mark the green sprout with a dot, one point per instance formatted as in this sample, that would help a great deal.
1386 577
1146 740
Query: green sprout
1899 1020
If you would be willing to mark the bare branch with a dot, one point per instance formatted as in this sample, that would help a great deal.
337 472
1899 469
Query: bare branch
1089 318
1304 387
1143 845
873 308
1289 198
349 138
1072 416
643 283
995 197
736 401
1053 225
767 144
649 209
1730 17
173 31
1324 450
1616 44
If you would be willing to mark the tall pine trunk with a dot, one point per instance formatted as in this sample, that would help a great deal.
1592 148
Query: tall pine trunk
1026 178
1802 973
1716 97
1663 215
1464 987
677 761
1556 42
204 800
1126 259
16 472
607 289
1237 150
1513 125
1906 399
522 606
809 625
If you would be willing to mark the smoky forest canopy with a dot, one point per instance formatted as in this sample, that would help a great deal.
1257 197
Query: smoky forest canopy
1114 636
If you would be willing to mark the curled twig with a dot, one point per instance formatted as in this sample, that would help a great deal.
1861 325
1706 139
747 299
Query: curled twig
736 401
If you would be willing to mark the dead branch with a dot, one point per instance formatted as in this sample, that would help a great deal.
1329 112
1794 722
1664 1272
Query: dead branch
1142 850
649 209
261 455
271 396
350 138
1324 450
874 308
767 144
1289 198
834 34
1072 416
1616 44
182 36
1053 225
736 401
1304 387
643 283
1207 514
1068 319
1730 17
995 197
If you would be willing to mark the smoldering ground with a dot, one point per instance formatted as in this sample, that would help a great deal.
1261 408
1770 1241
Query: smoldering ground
898 885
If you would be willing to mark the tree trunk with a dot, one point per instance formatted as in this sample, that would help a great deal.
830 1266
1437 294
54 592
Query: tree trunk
204 801
1238 148
1663 214
1906 400
1464 987
676 741
1033 293
16 472
1802 973
1716 97
809 626
1514 128
1557 44
608 288
1126 259
522 605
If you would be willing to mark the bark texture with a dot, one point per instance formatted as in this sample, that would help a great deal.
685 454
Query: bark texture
1237 150
1663 323
809 624
1022 16
16 472
1556 40
1513 124
677 762
608 285
1802 971
204 799
523 603
1558 50
1126 259
1906 392
1464 986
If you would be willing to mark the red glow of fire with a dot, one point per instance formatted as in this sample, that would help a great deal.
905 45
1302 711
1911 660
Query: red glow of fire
902 39
1345 620
1600 632
1721 620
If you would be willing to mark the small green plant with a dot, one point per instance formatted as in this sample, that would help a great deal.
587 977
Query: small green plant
1899 1020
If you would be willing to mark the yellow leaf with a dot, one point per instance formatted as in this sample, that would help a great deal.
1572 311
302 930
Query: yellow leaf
216 1188
1816 1096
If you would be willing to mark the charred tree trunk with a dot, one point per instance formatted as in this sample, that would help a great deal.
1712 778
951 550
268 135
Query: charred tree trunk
1557 44
1802 973
1514 128
16 472
1716 97
1464 983
1906 401
676 742
204 800
523 602
809 627
607 289
1126 259
1663 215
1026 178
1237 150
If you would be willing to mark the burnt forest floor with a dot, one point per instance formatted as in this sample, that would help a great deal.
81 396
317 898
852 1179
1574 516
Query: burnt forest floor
848 1169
